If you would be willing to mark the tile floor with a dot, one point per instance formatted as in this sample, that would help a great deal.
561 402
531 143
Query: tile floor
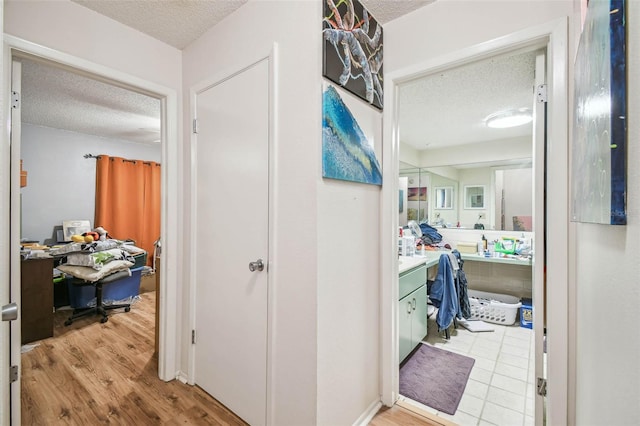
501 385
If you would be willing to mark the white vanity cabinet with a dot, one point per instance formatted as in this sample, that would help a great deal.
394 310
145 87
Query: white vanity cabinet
412 309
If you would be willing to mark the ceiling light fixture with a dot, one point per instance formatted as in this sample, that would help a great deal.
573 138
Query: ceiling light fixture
509 118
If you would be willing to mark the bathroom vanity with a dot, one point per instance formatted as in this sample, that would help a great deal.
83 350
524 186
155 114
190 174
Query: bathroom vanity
412 301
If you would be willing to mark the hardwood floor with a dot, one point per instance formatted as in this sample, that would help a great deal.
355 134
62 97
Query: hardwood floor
405 412
399 416
91 373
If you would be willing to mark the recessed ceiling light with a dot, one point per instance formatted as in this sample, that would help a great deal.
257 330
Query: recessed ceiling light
509 118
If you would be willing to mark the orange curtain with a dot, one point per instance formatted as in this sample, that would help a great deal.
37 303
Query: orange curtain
128 200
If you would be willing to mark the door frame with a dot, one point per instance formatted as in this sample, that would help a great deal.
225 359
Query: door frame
554 37
168 333
271 267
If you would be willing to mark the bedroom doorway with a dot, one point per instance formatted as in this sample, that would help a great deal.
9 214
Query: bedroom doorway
167 134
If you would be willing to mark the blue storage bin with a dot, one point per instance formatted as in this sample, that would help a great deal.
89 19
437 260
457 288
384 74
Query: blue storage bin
83 296
80 295
124 288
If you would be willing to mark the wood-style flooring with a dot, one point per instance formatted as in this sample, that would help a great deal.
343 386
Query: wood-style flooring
91 373
400 416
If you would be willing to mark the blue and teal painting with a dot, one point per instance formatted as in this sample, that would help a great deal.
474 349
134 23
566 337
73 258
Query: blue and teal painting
346 152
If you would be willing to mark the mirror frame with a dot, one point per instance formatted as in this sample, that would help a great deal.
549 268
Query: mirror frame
448 191
468 203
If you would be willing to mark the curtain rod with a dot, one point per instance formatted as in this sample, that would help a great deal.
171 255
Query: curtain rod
124 159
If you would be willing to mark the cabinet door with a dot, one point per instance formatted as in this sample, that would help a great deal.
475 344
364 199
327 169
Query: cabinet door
418 315
405 311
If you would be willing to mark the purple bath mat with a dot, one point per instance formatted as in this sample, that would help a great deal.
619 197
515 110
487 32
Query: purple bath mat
435 377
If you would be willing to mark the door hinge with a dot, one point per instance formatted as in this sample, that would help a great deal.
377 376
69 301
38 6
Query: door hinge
15 100
195 125
193 337
542 386
13 374
541 93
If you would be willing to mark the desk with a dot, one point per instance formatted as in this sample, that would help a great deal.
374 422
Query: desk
36 306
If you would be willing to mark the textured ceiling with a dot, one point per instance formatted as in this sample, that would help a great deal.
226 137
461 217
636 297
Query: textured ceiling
388 10
180 22
449 108
175 22
444 109
57 98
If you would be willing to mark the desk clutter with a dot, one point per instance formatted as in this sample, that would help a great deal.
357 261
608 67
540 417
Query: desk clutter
92 274
99 273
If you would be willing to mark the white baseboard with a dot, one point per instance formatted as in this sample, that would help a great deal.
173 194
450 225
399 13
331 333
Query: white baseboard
366 417
182 377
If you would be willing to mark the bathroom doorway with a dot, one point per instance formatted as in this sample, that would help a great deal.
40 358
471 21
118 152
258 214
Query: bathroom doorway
542 156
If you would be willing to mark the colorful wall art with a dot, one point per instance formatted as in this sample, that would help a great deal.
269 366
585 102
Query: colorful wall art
599 166
353 49
350 130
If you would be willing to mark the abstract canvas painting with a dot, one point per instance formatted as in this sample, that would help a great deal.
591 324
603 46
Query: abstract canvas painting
352 50
350 130
599 166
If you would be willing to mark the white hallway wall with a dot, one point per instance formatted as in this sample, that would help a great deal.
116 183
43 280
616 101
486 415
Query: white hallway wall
239 40
325 365
61 183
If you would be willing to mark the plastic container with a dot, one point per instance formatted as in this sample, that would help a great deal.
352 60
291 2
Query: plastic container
60 292
467 247
494 307
526 314
123 289
408 246
83 295
141 260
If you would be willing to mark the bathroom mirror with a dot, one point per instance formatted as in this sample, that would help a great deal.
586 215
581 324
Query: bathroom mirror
474 197
443 198
413 197
418 197
442 130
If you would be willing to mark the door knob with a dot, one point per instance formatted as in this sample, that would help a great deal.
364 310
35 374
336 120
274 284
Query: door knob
10 312
256 266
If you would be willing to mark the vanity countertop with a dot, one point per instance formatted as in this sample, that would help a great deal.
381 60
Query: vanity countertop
430 258
512 260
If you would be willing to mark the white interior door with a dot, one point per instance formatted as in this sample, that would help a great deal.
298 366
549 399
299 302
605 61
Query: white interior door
5 256
231 229
539 226
10 250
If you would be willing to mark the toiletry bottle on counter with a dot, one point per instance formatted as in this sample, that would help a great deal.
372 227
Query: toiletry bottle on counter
484 243
409 245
